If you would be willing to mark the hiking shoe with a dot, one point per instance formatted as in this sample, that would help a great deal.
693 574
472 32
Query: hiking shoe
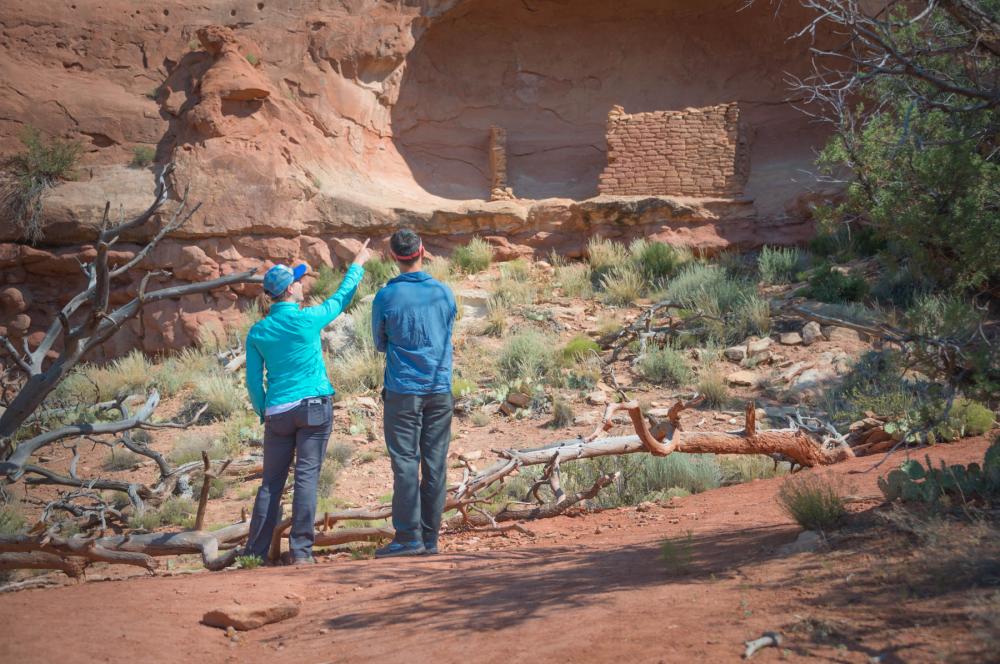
430 548
309 560
395 549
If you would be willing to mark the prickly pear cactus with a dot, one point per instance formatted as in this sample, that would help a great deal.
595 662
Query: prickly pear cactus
914 482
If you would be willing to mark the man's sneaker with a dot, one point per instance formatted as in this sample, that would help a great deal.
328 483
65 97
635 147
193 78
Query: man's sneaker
395 549
430 548
303 561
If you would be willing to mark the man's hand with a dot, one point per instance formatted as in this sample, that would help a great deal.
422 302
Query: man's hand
363 254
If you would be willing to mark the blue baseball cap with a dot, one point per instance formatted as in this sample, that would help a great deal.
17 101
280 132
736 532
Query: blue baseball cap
280 277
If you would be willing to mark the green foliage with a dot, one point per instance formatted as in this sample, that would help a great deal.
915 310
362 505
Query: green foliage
252 59
777 265
40 166
326 283
356 371
480 419
578 349
945 485
516 270
173 512
829 285
734 308
813 501
221 394
11 520
142 156
190 445
512 292
249 562
575 280
622 285
461 387
677 554
664 365
474 257
216 488
562 413
497 313
643 477
657 261
185 369
526 355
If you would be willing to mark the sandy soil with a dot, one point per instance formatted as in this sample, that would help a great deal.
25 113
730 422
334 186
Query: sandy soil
590 588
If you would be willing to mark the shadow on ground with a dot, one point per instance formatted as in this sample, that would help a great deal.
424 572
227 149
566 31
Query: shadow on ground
496 591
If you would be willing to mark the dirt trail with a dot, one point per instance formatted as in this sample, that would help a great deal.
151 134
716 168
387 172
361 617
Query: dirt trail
586 589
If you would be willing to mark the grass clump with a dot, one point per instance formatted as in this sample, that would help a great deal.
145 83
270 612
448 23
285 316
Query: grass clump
514 293
189 447
40 166
622 286
216 488
664 365
142 156
221 394
120 460
605 255
356 371
11 520
439 268
516 270
579 348
734 308
562 413
252 59
829 285
525 356
712 386
173 512
497 313
575 280
249 562
474 257
777 265
658 261
340 453
814 502
184 370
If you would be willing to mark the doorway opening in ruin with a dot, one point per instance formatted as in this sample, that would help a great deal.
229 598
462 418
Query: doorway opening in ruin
548 72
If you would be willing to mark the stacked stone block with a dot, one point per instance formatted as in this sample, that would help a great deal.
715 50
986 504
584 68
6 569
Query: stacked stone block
694 152
499 191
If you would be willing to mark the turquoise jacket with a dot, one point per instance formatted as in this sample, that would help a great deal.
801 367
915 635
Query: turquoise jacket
287 343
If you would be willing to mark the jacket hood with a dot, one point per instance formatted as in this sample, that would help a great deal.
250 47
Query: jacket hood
411 277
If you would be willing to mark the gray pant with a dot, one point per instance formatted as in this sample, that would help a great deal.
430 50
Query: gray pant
417 433
302 432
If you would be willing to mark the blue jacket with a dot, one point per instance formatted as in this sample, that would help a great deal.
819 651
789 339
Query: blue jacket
412 318
287 342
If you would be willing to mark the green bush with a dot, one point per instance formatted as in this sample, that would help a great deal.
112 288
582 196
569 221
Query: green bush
622 286
777 265
913 482
734 308
190 445
712 386
326 283
173 512
664 365
216 488
40 166
142 156
579 348
829 285
516 270
185 369
657 261
575 280
605 255
474 257
513 292
461 387
249 562
327 479
526 355
814 502
252 59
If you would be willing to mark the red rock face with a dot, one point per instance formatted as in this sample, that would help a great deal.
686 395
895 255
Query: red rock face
304 127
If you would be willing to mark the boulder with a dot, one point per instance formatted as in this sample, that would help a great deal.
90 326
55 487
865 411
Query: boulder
807 542
839 334
13 301
247 617
518 399
758 346
811 333
790 339
742 379
597 398
735 353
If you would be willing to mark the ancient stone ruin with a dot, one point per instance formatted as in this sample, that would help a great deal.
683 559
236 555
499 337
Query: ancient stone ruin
303 128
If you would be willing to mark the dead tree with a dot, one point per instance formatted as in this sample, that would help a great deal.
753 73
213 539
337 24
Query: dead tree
88 320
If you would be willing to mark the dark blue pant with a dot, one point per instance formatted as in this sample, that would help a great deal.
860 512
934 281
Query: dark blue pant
302 432
417 434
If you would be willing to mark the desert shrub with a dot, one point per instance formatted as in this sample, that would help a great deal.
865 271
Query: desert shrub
40 166
664 365
241 428
735 309
605 255
740 468
813 501
622 286
474 257
461 387
829 285
222 395
777 265
356 371
327 479
526 355
575 280
216 487
676 554
657 261
712 386
190 445
480 419
326 283
123 459
185 369
131 374
142 156
173 512
516 270
562 413
340 453
579 348
361 330
249 562
439 268
945 485
497 313
11 520
514 293
378 272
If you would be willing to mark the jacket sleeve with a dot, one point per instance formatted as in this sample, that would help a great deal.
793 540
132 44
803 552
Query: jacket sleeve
255 378
378 324
322 314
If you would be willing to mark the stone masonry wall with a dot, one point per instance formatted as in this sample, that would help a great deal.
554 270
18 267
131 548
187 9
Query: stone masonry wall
694 152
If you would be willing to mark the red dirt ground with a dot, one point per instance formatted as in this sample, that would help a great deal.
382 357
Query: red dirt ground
590 588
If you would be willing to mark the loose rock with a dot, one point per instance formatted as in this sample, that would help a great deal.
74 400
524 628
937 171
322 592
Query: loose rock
244 618
811 333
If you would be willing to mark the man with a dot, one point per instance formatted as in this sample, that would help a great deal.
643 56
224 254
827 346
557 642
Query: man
412 319
296 408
